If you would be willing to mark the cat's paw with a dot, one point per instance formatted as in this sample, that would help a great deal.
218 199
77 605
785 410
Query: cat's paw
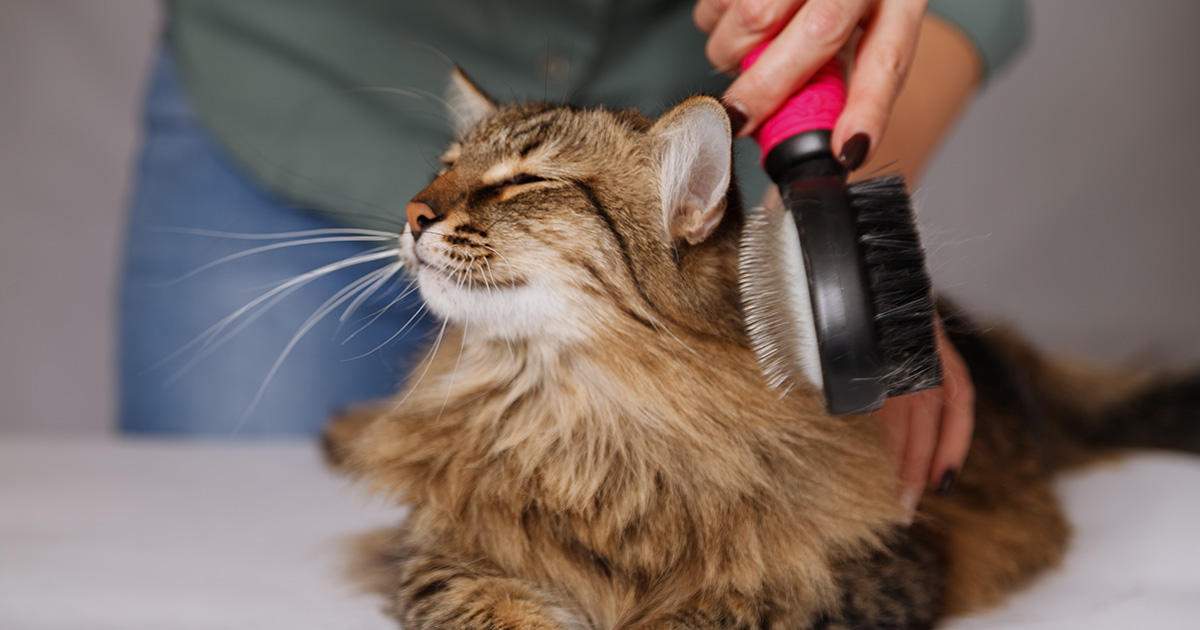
496 613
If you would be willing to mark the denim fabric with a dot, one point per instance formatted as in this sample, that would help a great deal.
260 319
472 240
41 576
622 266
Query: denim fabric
184 182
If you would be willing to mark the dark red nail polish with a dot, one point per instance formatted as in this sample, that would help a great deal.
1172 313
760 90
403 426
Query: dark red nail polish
946 485
854 151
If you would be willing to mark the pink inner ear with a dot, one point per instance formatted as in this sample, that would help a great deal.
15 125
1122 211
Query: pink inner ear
695 169
695 222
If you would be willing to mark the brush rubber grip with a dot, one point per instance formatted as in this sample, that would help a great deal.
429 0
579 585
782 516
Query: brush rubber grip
815 107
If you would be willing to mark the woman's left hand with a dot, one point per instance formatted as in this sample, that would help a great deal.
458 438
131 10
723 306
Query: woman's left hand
929 432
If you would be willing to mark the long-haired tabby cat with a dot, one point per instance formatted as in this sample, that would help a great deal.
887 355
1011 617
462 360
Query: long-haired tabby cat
591 444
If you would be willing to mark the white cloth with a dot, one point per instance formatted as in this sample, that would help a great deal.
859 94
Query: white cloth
133 534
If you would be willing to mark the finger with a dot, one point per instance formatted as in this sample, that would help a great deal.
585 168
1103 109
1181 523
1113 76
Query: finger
923 428
706 13
922 436
895 415
901 417
958 417
812 37
884 57
744 25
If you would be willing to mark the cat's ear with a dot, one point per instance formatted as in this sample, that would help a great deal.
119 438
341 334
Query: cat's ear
467 103
694 159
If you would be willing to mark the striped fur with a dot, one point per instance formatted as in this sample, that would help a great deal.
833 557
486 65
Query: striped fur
591 445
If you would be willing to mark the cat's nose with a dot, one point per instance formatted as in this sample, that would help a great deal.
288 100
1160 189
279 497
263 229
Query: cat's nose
420 215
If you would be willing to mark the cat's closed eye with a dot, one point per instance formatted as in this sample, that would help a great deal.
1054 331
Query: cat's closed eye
519 180
504 186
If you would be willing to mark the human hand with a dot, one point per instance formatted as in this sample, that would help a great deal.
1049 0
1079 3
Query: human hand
929 432
807 33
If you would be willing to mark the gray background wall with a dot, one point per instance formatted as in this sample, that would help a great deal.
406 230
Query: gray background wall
1066 201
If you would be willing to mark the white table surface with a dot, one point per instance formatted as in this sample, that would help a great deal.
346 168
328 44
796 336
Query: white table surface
137 534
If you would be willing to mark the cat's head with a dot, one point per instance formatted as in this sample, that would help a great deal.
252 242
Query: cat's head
552 221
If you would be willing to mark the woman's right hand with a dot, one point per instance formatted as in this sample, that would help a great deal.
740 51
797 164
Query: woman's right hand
808 33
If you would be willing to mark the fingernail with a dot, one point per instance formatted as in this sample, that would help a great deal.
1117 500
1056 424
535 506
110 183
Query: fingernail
854 151
910 496
737 116
946 485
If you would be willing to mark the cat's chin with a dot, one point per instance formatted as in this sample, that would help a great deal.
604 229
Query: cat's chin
519 310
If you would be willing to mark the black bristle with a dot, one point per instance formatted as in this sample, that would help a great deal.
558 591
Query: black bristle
900 285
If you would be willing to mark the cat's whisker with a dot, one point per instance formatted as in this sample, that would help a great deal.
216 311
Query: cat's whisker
262 303
286 288
507 339
417 93
450 271
266 248
502 257
437 343
212 337
372 282
435 50
210 347
487 285
268 236
373 317
387 273
386 248
327 307
384 216
416 316
570 67
462 346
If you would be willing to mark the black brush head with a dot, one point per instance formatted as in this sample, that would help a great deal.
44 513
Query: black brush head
853 373
900 287
872 307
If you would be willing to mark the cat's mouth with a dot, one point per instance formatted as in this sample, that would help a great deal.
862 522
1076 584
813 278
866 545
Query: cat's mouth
464 275
452 270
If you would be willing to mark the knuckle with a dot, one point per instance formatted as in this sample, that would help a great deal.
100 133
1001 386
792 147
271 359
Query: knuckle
754 83
892 59
755 16
828 24
714 50
754 90
706 13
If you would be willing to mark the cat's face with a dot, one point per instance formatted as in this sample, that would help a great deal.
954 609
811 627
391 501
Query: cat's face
551 221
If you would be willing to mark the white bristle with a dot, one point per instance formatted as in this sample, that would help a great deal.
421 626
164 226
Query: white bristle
775 300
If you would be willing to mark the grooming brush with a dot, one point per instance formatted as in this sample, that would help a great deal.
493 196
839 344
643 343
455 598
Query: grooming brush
834 285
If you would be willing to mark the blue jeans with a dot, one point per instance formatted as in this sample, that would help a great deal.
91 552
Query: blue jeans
185 183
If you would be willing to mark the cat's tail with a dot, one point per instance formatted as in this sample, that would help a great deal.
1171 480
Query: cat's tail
1099 410
1077 412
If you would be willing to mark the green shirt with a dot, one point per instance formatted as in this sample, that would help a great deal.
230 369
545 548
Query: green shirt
336 104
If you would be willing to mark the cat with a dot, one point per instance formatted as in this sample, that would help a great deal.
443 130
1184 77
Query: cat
591 444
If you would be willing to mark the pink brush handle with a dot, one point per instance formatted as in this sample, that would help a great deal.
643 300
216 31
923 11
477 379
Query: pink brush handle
816 106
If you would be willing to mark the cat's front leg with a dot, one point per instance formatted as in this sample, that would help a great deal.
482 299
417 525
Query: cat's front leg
895 588
714 611
436 593
899 587
343 429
